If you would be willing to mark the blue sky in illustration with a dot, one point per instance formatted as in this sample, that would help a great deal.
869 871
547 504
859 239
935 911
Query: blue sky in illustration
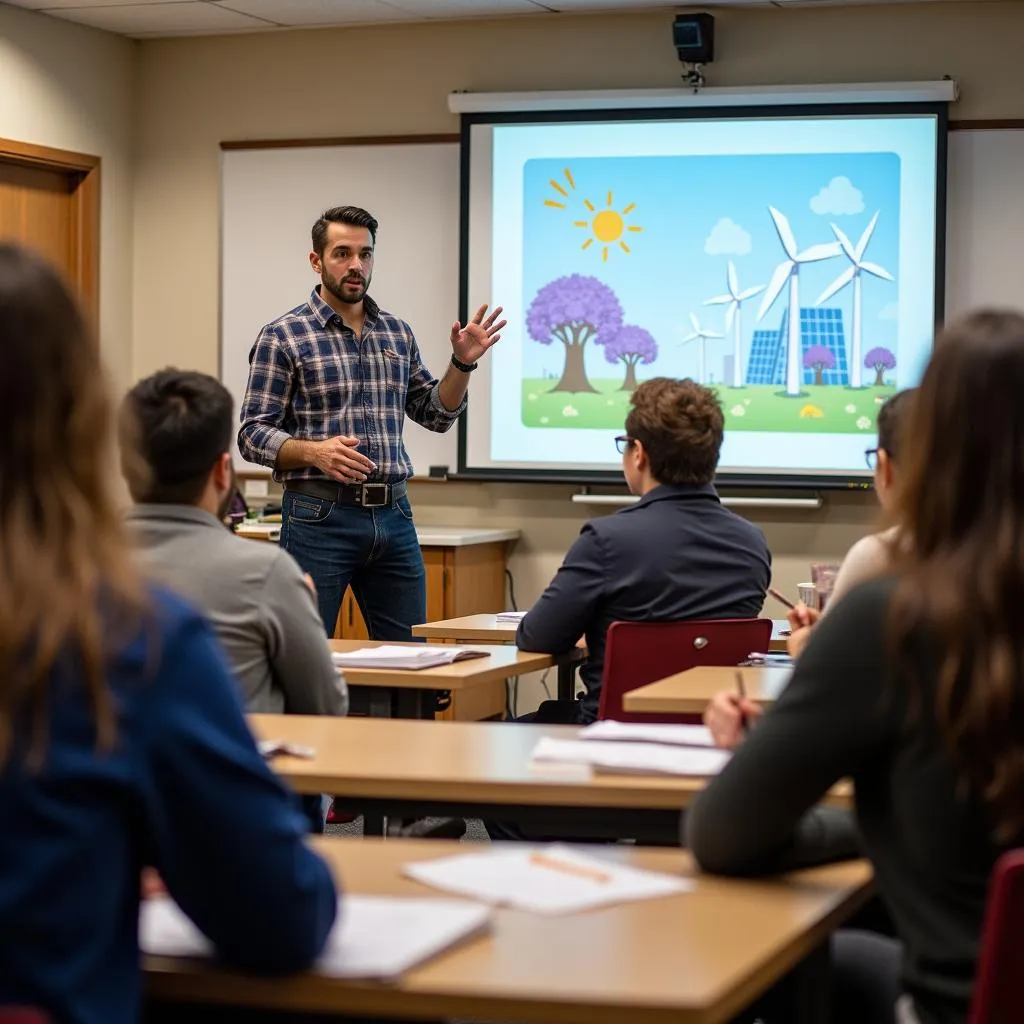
696 213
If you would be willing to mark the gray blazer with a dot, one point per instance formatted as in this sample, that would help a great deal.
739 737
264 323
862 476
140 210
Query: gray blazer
257 602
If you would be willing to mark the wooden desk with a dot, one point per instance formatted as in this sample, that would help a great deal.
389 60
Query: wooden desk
698 957
473 770
413 689
689 692
484 627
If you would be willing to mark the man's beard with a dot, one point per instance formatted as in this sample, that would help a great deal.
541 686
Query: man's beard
336 287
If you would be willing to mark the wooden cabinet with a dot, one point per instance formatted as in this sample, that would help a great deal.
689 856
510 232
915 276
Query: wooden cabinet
465 575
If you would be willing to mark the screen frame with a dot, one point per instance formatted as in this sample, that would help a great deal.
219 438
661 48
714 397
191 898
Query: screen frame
742 480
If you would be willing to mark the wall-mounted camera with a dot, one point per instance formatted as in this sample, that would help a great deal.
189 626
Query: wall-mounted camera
694 38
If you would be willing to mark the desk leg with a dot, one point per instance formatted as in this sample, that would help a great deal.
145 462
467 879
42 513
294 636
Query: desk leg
811 982
378 706
567 680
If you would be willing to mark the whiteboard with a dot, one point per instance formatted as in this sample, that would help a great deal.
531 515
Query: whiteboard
269 201
270 198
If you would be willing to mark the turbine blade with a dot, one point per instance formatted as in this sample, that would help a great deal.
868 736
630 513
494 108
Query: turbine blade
730 315
750 293
816 253
837 285
785 232
710 334
720 300
862 245
844 241
731 277
695 322
778 282
690 337
877 271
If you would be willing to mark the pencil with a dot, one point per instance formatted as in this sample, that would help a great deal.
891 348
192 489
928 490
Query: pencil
742 690
781 598
543 860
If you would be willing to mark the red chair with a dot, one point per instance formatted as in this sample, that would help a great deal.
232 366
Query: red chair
999 983
638 653
23 1015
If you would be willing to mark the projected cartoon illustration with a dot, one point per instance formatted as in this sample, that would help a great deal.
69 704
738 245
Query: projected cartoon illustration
771 277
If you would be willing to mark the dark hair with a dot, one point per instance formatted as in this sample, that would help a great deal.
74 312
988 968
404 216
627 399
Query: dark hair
960 576
181 423
892 417
354 216
680 425
68 590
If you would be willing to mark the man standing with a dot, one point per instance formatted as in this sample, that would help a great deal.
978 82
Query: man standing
330 385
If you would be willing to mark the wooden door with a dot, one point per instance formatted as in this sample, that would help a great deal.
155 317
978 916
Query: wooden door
49 201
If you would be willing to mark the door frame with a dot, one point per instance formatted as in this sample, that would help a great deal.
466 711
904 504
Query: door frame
84 170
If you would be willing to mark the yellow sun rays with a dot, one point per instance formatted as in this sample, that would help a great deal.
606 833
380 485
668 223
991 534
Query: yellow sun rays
607 226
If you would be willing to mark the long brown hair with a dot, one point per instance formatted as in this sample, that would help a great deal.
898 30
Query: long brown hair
67 586
960 564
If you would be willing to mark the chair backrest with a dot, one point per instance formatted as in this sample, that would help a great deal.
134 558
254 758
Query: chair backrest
637 653
999 983
23 1015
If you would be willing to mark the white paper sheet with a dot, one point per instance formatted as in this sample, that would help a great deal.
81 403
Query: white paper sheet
554 879
631 758
411 657
375 937
638 732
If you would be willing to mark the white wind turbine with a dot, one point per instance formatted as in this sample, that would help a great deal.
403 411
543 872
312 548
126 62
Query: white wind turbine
858 266
788 272
702 336
735 299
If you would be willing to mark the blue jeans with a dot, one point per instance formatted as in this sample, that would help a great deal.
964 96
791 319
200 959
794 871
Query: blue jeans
373 550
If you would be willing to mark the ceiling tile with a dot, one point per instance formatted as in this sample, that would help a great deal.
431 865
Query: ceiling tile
318 12
48 5
174 18
470 8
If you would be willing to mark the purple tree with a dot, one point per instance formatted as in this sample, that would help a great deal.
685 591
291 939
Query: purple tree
819 359
880 360
574 310
632 345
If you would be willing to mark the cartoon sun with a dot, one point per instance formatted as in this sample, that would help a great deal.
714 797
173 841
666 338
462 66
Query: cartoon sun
606 226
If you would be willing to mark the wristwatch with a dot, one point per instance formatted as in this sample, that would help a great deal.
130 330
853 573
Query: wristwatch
460 365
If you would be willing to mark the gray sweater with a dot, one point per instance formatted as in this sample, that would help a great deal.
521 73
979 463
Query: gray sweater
257 601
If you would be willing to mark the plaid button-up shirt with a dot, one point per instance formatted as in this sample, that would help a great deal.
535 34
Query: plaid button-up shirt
311 378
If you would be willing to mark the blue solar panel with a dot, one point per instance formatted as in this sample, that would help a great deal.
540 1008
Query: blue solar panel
767 362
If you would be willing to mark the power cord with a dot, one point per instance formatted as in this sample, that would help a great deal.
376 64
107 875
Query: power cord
511 589
512 685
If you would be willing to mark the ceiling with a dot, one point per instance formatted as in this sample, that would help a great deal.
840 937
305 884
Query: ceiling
152 18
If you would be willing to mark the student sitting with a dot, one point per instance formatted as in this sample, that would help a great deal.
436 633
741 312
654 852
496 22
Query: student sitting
868 558
913 686
122 740
260 605
676 554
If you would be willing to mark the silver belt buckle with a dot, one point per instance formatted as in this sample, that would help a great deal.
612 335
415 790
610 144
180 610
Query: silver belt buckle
374 495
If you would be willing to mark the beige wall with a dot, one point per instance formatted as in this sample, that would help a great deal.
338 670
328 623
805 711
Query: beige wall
70 87
394 80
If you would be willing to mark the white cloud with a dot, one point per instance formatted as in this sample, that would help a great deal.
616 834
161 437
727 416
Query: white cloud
727 238
890 312
839 197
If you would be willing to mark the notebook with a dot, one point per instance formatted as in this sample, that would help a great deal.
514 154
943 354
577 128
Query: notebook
552 879
630 758
411 657
514 617
376 937
639 732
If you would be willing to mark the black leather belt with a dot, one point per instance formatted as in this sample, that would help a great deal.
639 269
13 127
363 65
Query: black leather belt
368 495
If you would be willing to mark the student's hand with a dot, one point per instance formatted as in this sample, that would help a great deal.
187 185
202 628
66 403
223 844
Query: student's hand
724 717
152 884
337 458
798 641
469 343
802 617
308 580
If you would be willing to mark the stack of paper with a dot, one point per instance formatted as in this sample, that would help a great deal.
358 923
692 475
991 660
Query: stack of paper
638 732
630 758
252 528
509 617
414 656
375 936
548 880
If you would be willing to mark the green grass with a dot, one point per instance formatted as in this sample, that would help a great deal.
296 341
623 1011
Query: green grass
756 408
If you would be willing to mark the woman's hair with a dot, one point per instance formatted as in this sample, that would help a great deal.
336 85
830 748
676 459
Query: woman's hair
67 586
892 417
960 565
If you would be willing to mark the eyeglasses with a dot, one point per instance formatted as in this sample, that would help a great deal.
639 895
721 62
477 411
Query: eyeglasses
871 458
622 442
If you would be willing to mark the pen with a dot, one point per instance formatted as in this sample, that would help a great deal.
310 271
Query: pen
781 598
744 725
543 860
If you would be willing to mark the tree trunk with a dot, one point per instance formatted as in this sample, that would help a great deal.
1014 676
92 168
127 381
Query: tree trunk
817 376
879 376
574 373
629 384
